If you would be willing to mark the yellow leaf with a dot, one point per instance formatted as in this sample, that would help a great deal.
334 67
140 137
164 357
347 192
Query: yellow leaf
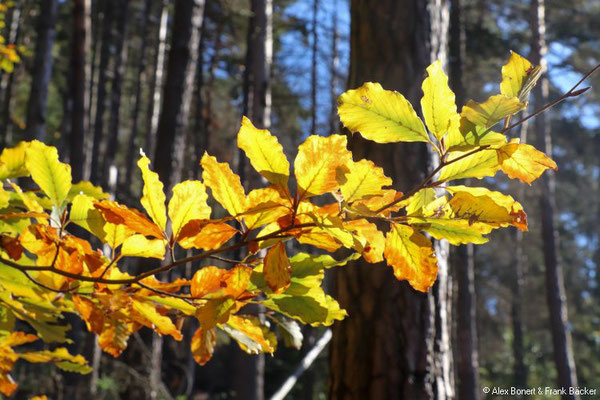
265 205
52 176
4 198
382 116
85 187
225 185
277 270
251 335
84 214
153 198
478 165
417 202
321 164
187 203
265 154
438 103
493 110
514 74
203 344
200 234
456 232
145 313
364 179
411 256
140 246
468 136
524 162
12 161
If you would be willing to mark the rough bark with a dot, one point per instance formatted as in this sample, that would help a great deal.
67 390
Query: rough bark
555 287
157 80
79 87
467 359
333 70
42 69
132 143
7 80
313 69
384 349
105 46
173 121
115 92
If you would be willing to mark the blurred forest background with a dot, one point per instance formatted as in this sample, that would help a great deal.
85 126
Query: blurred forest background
101 79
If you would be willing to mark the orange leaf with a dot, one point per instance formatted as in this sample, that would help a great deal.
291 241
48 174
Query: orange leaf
118 214
204 235
203 345
277 270
213 282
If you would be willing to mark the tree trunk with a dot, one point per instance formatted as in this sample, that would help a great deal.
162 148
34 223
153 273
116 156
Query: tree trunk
555 287
333 71
79 87
384 349
467 362
115 92
42 70
313 70
133 144
105 47
173 121
157 80
7 80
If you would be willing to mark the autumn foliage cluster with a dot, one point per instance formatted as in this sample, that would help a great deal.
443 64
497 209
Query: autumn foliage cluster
47 271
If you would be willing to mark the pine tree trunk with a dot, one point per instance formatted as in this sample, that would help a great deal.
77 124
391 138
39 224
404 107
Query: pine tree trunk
467 359
555 287
133 144
7 79
105 46
313 70
157 80
42 70
333 71
173 121
115 93
384 349
79 87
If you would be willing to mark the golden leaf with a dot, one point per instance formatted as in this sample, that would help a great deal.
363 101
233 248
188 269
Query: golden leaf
321 164
188 203
225 185
411 256
153 198
52 176
524 162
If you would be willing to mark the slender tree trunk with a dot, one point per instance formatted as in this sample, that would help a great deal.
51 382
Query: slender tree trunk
467 363
79 87
115 93
42 70
157 80
173 121
105 47
333 70
313 70
555 287
7 80
133 144
384 349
